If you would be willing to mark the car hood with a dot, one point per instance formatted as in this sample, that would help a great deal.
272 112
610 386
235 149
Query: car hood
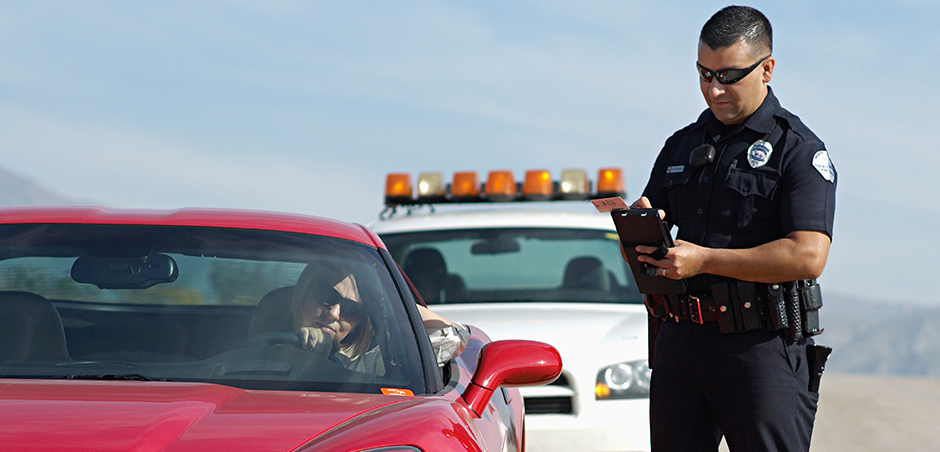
156 416
572 328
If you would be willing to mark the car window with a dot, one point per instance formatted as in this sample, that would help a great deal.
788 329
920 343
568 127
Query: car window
515 264
199 304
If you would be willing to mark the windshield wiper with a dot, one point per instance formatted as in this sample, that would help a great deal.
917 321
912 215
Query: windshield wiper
126 377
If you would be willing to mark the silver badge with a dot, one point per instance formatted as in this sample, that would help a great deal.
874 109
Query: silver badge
759 153
822 164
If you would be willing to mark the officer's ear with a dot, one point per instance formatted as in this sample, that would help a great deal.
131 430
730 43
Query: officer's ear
768 69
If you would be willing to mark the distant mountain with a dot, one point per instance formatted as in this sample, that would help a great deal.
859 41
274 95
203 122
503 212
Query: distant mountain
881 337
16 190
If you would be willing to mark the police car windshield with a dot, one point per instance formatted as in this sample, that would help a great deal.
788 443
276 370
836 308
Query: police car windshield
515 264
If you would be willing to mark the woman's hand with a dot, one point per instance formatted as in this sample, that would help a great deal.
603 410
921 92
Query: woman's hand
316 340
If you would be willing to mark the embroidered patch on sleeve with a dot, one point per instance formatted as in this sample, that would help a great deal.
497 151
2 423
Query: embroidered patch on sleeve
822 164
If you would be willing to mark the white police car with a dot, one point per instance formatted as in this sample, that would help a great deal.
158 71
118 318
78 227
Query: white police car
514 260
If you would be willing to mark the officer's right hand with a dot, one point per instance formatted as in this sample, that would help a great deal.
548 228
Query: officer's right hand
315 340
644 203
684 260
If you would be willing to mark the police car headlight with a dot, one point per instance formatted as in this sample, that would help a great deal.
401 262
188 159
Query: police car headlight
627 380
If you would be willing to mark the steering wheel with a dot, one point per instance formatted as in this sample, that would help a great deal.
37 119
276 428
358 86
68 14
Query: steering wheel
271 338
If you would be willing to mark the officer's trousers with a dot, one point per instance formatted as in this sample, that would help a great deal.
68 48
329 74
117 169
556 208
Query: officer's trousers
750 387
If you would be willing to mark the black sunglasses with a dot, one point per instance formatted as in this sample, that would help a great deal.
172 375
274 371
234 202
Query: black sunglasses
727 76
348 309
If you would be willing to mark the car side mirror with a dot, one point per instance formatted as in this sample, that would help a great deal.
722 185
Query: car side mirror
510 363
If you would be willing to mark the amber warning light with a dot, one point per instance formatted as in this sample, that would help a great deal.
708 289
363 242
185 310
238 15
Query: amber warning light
501 186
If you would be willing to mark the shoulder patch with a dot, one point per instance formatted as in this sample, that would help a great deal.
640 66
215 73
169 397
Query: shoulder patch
822 164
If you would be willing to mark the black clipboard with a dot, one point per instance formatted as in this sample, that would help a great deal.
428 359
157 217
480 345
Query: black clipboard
644 227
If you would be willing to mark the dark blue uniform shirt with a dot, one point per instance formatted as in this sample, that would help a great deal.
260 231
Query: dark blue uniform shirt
742 202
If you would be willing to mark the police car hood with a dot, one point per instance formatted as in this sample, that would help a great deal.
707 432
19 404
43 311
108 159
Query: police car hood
576 330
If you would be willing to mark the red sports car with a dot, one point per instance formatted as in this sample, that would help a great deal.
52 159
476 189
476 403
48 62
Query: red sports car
200 330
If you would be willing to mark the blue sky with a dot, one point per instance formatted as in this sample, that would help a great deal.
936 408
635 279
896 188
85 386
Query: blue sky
305 106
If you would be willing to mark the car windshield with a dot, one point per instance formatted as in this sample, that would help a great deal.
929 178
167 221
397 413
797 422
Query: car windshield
199 304
515 264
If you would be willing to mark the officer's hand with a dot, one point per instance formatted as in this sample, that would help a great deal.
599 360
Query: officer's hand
644 203
681 261
315 340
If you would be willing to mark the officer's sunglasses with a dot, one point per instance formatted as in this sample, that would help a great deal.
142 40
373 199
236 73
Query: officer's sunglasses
727 76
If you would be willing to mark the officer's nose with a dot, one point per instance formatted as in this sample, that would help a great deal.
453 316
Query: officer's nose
715 89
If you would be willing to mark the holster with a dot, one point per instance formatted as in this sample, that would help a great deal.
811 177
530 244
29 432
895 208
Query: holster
816 356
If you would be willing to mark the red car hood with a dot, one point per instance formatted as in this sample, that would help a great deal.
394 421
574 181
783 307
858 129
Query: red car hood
152 416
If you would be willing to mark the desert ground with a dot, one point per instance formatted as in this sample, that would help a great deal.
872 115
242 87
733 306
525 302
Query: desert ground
866 413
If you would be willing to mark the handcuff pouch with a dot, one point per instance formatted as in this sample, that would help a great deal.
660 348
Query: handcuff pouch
746 306
722 296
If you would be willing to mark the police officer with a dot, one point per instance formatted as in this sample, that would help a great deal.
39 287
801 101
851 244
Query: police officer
752 192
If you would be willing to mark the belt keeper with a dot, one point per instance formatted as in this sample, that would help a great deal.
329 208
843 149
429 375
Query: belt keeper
695 310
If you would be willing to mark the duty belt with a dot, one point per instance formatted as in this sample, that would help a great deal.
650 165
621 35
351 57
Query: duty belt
740 306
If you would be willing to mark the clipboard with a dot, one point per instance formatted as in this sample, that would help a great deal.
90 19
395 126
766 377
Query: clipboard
644 227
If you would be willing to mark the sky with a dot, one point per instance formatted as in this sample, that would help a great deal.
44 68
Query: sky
305 106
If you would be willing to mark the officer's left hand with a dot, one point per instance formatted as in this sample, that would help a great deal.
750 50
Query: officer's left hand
684 260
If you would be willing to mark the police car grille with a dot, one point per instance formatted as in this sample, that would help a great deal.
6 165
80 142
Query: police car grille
550 405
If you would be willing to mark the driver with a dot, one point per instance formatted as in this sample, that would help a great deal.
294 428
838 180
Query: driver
331 320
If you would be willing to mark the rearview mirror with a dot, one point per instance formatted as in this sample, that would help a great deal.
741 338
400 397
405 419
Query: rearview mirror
125 272
495 246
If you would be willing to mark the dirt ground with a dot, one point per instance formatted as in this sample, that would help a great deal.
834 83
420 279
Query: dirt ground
864 413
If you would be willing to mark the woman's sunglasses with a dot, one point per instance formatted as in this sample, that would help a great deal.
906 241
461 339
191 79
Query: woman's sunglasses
727 76
348 309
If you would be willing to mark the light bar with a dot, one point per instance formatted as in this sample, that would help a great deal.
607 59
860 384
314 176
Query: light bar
500 186
431 187
610 183
465 186
574 184
538 185
398 189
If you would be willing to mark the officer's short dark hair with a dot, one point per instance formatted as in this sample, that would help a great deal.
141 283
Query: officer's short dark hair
738 23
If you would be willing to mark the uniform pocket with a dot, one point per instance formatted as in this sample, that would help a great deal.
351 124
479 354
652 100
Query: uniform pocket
679 178
681 195
756 191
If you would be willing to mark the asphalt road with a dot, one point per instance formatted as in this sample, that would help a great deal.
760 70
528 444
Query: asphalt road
865 413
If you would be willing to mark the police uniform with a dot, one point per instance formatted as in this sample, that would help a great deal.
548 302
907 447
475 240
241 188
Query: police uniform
770 176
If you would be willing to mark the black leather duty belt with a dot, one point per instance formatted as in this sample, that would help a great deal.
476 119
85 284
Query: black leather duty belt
702 309
684 308
740 306
737 306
